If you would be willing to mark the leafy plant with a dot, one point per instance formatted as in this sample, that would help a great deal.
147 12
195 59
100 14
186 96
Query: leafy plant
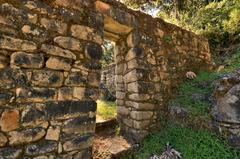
106 109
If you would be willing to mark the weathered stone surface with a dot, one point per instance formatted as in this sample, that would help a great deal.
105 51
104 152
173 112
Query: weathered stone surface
47 78
9 120
10 153
34 94
123 110
4 61
28 30
77 143
94 79
69 43
75 79
57 51
5 97
141 124
53 133
65 93
3 140
26 136
86 33
139 97
34 115
54 25
120 95
133 39
81 125
134 53
140 106
67 109
79 92
178 111
93 51
141 115
9 43
75 4
25 60
57 63
41 148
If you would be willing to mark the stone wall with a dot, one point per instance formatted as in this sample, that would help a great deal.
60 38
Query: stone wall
49 76
107 83
50 72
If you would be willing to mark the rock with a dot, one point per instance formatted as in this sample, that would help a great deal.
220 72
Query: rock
77 143
6 42
41 148
94 79
57 51
178 111
35 94
86 33
26 136
54 25
141 115
79 92
3 140
53 133
65 93
47 78
140 106
135 52
9 120
5 97
10 153
75 79
234 141
4 61
57 63
69 43
25 60
139 97
80 125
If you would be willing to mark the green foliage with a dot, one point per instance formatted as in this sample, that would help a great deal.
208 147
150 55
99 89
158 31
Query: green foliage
106 109
108 53
233 62
200 85
193 144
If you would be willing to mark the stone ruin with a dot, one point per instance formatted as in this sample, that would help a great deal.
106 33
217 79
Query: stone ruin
50 72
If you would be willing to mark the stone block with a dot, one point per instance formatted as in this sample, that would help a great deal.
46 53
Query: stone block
54 25
139 97
57 63
79 92
133 76
41 148
4 61
140 106
94 79
34 94
80 125
75 4
5 97
123 110
25 60
34 115
93 94
135 52
26 136
141 115
77 143
120 95
9 120
13 44
65 93
69 109
86 33
47 78
10 153
53 133
133 39
141 124
69 43
3 140
57 51
75 79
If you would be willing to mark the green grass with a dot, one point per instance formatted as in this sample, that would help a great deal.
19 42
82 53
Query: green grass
106 109
200 85
192 144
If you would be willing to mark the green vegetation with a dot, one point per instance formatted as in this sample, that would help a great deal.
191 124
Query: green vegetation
106 109
193 144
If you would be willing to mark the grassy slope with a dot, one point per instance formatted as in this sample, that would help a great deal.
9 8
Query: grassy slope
106 109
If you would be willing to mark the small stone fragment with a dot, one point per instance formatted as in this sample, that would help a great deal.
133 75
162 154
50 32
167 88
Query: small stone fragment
56 63
53 133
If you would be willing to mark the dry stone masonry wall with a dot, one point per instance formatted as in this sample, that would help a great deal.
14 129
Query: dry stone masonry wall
50 72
